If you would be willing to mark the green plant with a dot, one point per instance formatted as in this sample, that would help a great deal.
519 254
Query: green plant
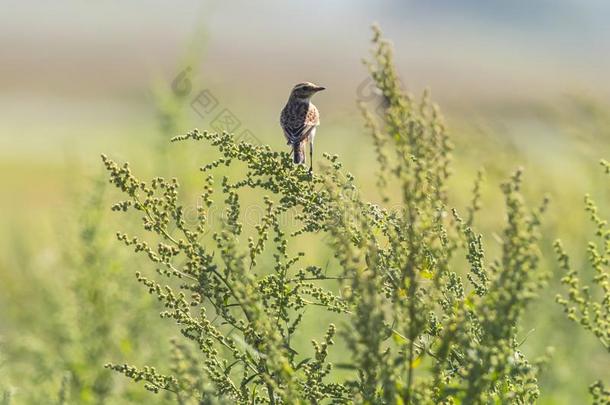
420 313
590 305
97 327
71 318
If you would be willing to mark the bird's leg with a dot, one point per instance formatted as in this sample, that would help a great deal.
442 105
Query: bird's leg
311 156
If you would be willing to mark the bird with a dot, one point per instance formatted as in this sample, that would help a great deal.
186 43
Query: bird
299 120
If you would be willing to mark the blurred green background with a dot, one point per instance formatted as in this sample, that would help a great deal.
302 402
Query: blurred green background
521 83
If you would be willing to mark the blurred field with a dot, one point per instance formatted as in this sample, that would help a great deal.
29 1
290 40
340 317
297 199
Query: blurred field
71 89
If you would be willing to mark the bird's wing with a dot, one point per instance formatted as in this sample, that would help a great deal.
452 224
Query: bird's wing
295 135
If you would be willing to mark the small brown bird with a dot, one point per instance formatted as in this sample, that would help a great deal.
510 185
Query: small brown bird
299 120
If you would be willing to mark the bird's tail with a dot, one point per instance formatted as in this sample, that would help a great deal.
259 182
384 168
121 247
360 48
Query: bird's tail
298 151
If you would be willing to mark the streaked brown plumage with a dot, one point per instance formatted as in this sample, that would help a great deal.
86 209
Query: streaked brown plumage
299 120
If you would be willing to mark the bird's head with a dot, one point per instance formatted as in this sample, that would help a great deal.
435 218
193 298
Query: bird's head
304 91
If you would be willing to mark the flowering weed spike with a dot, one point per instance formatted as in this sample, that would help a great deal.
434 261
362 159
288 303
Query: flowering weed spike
581 304
417 328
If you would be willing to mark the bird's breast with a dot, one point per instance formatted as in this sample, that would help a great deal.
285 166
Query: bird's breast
298 113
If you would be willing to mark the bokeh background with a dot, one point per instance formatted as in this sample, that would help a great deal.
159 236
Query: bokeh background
520 83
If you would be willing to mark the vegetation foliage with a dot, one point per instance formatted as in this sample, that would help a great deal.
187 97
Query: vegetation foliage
412 309
585 304
426 317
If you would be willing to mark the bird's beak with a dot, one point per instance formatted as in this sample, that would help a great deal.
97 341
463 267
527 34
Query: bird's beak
319 88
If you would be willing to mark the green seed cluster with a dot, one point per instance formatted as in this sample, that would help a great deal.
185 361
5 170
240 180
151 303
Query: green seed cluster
589 305
418 325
